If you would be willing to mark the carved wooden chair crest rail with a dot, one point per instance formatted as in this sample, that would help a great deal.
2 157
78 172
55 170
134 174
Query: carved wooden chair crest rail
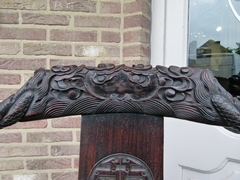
182 92
127 141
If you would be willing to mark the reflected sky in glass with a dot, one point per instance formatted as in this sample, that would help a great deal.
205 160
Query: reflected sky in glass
214 19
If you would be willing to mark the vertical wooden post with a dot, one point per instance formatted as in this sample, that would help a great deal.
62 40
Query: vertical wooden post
121 146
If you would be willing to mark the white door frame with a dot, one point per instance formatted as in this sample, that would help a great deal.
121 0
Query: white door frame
166 52
183 140
169 32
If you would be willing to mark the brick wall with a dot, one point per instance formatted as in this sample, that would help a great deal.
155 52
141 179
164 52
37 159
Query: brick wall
43 33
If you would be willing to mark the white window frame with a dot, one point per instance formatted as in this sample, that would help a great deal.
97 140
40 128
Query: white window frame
169 20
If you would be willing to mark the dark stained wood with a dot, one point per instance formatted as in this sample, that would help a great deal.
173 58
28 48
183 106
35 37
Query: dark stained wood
186 93
134 134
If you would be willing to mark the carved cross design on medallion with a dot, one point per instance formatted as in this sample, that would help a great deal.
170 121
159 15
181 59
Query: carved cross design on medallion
120 167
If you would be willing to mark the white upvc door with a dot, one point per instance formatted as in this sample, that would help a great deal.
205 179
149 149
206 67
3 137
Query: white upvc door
192 151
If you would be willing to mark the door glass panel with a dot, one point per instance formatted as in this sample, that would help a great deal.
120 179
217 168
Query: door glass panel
214 40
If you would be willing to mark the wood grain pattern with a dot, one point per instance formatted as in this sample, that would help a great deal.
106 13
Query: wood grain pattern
106 134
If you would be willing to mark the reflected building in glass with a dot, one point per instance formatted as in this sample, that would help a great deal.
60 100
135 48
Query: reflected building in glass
214 38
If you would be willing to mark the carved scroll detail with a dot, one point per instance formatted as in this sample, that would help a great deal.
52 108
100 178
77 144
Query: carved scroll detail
120 167
186 93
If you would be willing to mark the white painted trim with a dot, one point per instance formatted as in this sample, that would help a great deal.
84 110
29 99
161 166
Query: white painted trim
157 32
234 10
227 132
186 144
169 20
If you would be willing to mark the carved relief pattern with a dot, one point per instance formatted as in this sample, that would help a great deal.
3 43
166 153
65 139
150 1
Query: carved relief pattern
229 169
185 93
120 167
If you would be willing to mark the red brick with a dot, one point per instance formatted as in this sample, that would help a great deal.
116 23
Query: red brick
65 175
10 137
29 125
137 61
62 150
78 134
76 162
108 36
23 151
137 6
110 7
113 51
45 19
90 51
47 49
22 64
135 50
24 4
97 51
6 92
10 79
137 21
22 33
27 76
48 137
40 164
67 122
146 23
9 165
68 35
9 48
132 21
69 5
8 18
97 21
136 36
18 176
110 61
54 62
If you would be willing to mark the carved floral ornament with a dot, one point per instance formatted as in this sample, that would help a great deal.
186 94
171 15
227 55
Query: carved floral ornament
187 93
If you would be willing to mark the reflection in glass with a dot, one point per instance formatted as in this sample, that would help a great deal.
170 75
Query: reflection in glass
235 6
214 39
